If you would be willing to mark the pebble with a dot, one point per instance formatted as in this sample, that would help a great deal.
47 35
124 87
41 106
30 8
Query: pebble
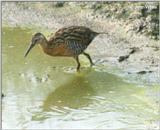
144 72
2 95
122 58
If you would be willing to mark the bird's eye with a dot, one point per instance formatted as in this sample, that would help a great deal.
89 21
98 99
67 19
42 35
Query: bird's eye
36 40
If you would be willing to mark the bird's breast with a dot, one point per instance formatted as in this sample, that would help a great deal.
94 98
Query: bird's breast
60 50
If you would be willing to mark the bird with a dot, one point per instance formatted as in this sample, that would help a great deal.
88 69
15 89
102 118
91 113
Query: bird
67 41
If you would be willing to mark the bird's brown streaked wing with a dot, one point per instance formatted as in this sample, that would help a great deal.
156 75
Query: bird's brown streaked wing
76 37
55 41
57 38
76 40
74 29
75 46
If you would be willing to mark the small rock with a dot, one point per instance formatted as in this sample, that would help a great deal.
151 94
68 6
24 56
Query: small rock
148 18
58 4
91 5
156 48
144 72
45 78
135 14
133 50
2 95
113 9
122 58
97 6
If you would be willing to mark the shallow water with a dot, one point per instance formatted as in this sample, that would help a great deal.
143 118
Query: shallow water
46 92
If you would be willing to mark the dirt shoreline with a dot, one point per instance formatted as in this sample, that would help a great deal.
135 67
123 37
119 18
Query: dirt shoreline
136 55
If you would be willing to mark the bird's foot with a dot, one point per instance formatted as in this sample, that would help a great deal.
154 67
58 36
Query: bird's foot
78 70
92 64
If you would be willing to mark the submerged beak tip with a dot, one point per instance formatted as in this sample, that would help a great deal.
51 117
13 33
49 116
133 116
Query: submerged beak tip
28 50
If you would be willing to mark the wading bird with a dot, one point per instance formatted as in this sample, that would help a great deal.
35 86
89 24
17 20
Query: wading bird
67 41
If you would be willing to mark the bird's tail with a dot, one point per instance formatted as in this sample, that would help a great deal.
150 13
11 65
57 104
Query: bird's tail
97 33
102 33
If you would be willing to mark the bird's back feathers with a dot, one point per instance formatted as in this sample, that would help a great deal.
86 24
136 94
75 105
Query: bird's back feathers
77 38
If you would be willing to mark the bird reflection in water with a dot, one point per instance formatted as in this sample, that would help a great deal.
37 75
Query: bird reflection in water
73 94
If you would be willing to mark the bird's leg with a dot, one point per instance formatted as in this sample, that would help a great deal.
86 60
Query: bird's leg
88 56
78 63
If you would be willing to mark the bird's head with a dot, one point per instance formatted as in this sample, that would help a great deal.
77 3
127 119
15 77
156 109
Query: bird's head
37 38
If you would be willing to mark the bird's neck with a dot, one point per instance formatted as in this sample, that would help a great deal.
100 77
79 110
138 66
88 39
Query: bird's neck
44 43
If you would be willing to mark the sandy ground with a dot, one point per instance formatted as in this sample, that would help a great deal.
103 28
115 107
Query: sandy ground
133 53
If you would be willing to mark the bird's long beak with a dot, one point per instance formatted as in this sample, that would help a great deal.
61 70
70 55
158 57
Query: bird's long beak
31 45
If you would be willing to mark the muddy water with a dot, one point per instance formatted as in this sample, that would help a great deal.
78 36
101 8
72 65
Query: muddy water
46 92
